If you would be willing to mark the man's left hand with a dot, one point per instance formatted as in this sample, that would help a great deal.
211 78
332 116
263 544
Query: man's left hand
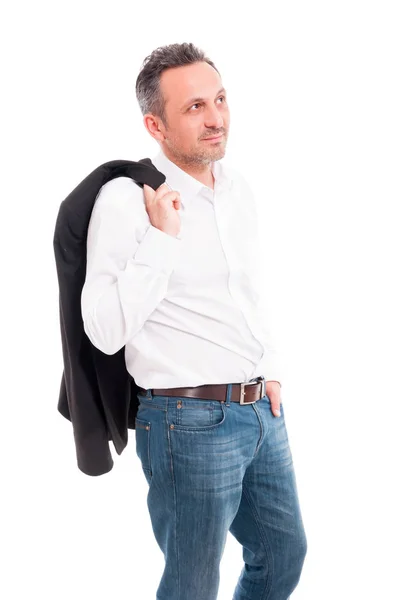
273 391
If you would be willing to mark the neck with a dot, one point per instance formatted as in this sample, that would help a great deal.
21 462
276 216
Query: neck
205 175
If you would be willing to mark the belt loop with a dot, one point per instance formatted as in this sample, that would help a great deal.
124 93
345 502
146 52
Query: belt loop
229 391
262 391
149 393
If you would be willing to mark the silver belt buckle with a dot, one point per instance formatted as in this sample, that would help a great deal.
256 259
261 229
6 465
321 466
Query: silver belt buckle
242 392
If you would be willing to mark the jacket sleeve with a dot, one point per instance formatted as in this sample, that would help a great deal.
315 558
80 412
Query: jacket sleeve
129 263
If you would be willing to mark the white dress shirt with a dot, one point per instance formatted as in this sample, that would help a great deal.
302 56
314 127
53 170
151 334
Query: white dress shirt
188 308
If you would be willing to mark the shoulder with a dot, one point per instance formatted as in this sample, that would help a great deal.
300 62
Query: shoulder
120 201
119 206
119 216
121 193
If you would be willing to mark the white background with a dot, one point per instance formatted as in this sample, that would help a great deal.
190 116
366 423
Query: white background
313 96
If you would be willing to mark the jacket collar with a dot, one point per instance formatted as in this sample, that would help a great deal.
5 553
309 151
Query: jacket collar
188 186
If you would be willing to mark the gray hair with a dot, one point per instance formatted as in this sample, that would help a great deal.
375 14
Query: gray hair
147 87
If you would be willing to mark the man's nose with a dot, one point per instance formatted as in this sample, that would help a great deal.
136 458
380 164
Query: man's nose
214 119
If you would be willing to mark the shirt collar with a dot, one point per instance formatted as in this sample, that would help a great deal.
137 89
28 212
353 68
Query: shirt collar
188 186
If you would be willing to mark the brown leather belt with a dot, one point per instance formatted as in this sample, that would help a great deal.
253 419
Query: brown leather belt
244 393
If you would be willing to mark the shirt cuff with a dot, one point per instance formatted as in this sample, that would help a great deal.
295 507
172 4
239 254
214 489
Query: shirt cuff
158 249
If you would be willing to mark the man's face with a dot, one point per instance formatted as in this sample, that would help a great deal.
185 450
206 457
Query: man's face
190 119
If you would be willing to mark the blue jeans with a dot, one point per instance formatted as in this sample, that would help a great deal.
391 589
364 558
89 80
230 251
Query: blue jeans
214 467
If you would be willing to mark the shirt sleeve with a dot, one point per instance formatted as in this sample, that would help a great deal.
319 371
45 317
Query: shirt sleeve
272 361
272 357
129 263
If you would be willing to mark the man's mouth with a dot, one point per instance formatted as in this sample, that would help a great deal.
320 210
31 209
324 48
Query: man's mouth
214 137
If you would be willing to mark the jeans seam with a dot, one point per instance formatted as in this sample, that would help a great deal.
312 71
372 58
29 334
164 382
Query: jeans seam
175 503
262 433
264 539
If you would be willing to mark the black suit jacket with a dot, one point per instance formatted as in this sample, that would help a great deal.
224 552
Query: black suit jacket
97 393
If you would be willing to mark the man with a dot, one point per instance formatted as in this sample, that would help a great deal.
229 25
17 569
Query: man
172 275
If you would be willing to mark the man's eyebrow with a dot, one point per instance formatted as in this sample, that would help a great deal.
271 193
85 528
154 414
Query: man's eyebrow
193 100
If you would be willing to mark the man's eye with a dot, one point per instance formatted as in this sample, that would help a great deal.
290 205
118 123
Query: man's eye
198 103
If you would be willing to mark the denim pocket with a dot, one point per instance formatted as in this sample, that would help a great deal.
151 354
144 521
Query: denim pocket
142 445
188 414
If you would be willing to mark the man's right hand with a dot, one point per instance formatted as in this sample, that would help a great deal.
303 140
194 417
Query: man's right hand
162 207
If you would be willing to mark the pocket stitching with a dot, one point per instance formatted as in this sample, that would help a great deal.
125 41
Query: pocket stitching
203 428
